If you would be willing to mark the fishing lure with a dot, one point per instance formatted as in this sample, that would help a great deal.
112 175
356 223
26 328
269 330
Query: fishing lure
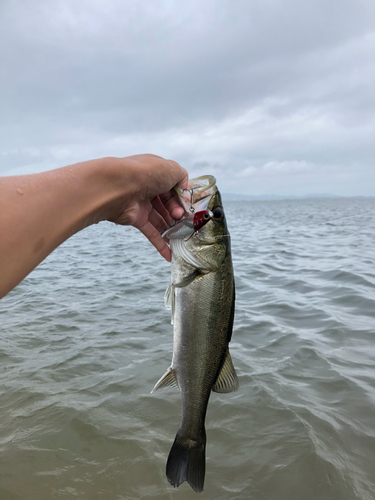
188 226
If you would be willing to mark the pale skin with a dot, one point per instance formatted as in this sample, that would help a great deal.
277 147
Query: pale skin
38 212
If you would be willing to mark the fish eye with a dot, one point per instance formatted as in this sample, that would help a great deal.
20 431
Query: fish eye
218 213
206 216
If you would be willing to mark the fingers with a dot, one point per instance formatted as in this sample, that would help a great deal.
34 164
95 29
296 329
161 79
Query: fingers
159 216
159 206
175 210
157 219
153 235
157 175
183 176
172 205
153 206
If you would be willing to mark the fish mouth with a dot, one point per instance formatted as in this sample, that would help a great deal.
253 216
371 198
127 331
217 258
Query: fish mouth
198 194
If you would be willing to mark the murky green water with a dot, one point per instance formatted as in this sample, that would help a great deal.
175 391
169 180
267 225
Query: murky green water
85 337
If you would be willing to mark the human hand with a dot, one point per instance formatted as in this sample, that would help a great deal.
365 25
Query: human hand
135 190
152 206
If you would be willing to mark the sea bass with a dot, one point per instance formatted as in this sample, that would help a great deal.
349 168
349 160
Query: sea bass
201 297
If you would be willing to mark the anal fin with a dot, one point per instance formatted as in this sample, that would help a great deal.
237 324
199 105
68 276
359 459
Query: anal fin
227 380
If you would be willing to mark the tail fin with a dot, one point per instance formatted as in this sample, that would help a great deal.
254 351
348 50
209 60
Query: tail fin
187 462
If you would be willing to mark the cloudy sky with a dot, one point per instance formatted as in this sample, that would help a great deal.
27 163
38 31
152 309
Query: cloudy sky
270 96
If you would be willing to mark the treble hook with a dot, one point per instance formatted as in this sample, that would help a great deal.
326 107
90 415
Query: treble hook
191 191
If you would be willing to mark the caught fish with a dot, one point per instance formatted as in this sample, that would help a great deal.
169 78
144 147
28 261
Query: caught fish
201 298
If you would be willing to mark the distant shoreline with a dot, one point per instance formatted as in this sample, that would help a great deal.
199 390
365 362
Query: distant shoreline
240 197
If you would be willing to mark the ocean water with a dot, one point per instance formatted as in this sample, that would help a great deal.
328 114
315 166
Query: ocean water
85 336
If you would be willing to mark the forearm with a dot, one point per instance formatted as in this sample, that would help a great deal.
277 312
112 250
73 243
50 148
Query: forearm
39 212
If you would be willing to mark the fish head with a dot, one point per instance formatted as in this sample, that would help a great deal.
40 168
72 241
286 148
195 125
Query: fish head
216 228
205 248
202 197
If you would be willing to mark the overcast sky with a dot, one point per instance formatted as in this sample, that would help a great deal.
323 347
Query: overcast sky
270 96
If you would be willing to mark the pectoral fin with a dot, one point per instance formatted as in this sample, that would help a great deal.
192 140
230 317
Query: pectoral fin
170 294
168 379
188 279
170 300
227 380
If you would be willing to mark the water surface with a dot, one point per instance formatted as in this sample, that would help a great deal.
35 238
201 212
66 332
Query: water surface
85 337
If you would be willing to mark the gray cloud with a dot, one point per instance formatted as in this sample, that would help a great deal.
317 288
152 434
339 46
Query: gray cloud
272 97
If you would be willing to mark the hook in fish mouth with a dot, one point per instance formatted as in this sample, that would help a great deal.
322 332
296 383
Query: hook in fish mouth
191 191
196 196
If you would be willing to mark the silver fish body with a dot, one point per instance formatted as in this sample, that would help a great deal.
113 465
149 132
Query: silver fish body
201 296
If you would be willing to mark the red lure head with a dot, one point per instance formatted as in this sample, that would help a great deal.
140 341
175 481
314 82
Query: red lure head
201 218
